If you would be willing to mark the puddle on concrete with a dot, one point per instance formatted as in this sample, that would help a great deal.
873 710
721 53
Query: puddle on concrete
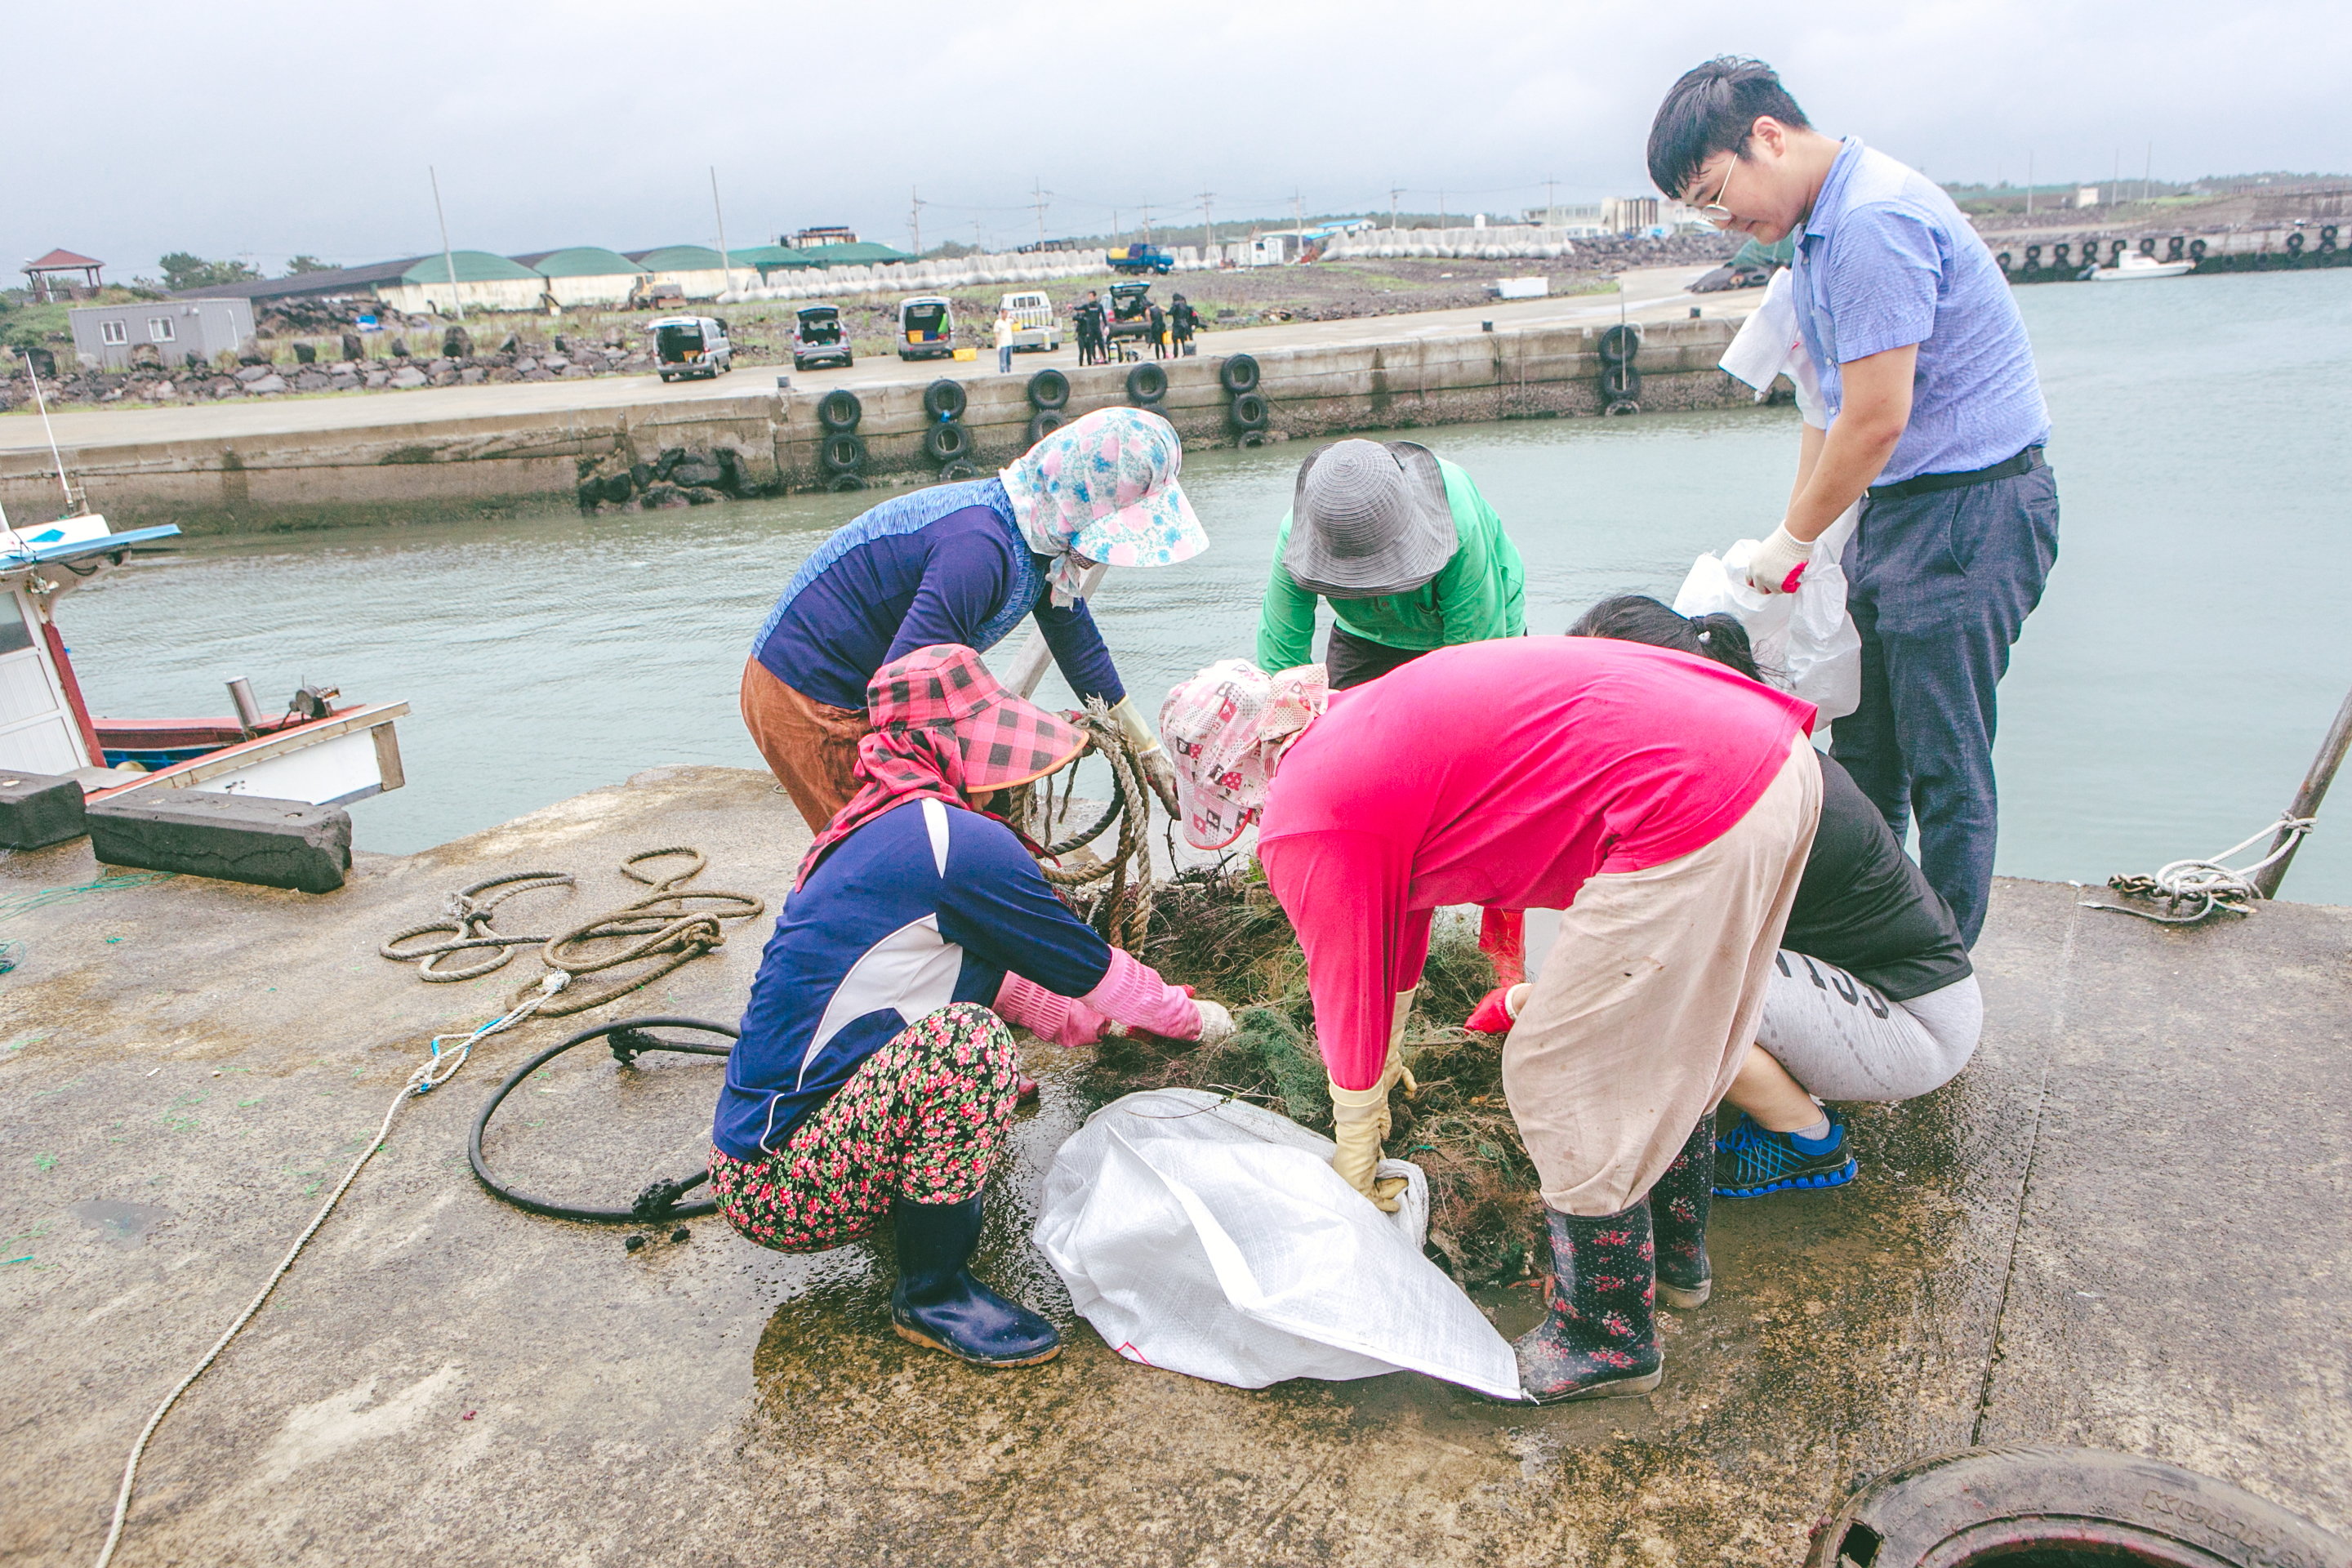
120 1224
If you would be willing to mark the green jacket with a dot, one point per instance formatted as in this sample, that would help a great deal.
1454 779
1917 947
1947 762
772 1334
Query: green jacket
1481 593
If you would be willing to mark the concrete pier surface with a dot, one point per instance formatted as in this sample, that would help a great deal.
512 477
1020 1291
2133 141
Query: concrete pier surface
2125 1226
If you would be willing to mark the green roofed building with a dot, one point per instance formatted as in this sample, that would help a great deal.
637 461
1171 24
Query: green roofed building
771 259
588 274
483 282
864 253
695 270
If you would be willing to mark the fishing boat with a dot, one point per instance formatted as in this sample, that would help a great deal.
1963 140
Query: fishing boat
2132 268
315 751
319 751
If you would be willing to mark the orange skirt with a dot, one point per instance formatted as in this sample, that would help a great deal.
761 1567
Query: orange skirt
809 746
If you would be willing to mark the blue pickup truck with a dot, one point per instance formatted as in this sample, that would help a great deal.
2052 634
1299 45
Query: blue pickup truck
1142 259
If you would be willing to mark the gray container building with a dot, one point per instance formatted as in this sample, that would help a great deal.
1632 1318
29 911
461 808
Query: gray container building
174 328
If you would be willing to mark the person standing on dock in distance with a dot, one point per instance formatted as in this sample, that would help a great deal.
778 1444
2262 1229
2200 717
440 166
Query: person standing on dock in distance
966 563
1936 426
1408 552
873 1076
1183 322
1089 320
1005 329
1664 803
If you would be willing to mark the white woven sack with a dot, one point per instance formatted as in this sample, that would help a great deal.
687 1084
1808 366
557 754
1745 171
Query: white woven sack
1213 1238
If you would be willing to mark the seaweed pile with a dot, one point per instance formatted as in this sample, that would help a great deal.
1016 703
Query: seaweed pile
1223 933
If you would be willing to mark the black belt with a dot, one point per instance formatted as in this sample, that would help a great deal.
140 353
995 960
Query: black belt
2025 462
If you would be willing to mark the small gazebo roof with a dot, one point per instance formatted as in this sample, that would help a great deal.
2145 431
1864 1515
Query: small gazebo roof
61 261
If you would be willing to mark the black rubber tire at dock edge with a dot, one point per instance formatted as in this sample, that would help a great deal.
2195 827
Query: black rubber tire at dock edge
1620 344
1147 383
1049 389
1238 373
1620 382
839 409
1044 422
1984 1505
635 1214
944 399
1249 411
946 441
843 452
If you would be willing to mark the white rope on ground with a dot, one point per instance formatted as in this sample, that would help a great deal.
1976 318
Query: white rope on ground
2214 886
437 1070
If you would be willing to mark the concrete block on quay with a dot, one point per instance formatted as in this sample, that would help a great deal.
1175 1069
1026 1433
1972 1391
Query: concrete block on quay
233 838
39 809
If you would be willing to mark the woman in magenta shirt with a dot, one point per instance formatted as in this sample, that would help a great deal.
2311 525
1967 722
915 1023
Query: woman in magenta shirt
1662 801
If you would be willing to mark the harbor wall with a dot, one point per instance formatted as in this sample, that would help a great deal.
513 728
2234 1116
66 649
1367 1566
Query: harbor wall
508 465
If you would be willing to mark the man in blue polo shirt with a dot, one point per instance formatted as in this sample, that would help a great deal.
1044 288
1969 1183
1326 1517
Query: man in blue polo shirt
1936 426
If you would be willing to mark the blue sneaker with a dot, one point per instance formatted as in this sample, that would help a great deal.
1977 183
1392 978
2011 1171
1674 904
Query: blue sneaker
1750 1161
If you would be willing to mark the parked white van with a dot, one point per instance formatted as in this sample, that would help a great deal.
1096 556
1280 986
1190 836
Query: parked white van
1034 325
691 345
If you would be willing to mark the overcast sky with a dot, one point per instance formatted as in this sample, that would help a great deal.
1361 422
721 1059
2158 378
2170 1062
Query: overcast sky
269 129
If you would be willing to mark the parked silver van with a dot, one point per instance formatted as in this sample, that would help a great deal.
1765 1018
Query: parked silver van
691 345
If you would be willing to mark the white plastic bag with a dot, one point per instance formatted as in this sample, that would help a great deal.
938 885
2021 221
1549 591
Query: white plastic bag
1807 634
1213 1238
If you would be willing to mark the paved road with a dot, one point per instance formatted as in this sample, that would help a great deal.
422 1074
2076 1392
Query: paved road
1651 294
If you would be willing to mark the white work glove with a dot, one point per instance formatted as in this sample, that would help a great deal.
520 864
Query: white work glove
1158 771
1779 563
1217 1025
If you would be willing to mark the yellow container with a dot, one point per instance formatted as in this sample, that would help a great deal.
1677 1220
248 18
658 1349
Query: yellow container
967 354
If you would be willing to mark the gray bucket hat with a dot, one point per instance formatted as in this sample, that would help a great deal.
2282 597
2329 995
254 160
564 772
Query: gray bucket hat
1368 519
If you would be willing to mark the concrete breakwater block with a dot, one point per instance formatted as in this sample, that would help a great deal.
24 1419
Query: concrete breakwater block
234 838
38 809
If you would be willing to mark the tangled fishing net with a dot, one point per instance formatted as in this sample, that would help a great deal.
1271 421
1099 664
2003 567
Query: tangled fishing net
1223 933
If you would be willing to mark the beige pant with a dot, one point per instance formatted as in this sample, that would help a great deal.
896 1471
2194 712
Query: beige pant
1650 998
809 746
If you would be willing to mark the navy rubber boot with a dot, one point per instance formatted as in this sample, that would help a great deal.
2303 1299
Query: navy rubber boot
1678 1208
1600 1337
938 1303
1751 1161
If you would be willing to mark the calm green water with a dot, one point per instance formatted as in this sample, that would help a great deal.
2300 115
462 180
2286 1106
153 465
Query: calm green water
2164 702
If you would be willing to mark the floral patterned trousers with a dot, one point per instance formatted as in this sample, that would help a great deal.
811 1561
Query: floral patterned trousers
923 1120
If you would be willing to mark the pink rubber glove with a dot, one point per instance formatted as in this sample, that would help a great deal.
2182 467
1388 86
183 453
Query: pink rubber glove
1132 993
1063 1021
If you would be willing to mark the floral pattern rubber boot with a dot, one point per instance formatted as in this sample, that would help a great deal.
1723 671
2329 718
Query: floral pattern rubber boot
1679 1207
1600 1338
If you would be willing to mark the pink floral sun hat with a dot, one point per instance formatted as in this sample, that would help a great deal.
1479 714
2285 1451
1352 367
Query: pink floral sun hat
1227 728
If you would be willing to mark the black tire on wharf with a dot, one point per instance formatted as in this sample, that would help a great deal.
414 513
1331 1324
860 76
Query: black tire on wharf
839 410
1043 423
2172 247
1147 383
1249 413
944 399
2061 1505
1049 389
2197 250
2147 245
957 471
1620 344
946 441
1238 373
843 452
1621 383
840 482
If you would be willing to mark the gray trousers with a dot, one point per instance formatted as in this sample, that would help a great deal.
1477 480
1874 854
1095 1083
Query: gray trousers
1842 1040
1940 586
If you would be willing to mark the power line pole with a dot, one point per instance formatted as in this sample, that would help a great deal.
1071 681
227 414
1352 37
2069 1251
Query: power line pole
1037 189
448 257
1208 227
1394 191
726 271
1441 206
1551 201
2148 172
1147 222
914 217
1297 216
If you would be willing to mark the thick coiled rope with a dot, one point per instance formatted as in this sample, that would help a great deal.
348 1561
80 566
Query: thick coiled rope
1119 887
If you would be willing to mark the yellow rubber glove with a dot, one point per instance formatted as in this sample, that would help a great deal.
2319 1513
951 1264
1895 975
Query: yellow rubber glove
1158 771
1360 1119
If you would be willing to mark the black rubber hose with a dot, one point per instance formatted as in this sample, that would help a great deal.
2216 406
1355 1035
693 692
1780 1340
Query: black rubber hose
658 1200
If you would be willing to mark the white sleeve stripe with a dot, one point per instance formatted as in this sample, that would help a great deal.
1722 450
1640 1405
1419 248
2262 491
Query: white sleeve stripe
913 970
935 818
